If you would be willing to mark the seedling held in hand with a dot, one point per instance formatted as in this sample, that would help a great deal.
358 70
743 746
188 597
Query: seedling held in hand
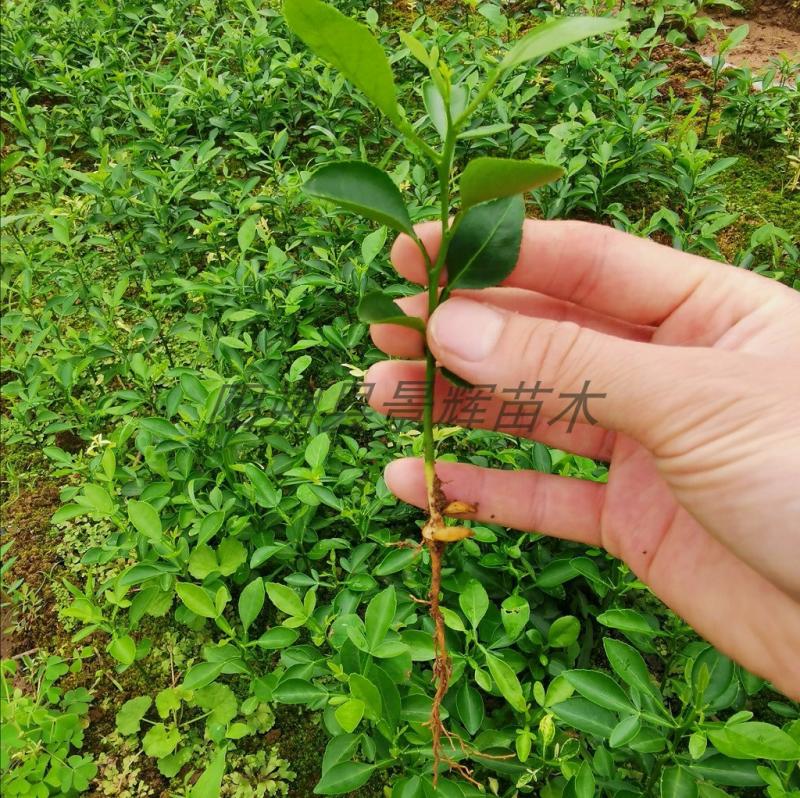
480 238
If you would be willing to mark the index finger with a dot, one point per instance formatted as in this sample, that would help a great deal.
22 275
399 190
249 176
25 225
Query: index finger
617 274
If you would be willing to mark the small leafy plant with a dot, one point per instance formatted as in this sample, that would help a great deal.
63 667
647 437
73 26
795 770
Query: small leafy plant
480 238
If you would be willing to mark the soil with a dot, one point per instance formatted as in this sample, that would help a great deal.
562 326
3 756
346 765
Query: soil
26 521
774 29
682 68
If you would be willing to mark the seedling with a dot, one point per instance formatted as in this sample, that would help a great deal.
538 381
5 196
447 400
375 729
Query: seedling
480 238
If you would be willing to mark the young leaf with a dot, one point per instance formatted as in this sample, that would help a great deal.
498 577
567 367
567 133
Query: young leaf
285 599
196 599
251 602
474 602
361 188
379 615
555 34
485 246
506 681
490 178
145 518
347 45
210 783
379 308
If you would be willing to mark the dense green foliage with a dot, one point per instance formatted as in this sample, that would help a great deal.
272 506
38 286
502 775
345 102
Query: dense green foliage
182 354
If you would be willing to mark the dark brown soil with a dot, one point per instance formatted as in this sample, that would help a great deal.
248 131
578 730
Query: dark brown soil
26 521
682 68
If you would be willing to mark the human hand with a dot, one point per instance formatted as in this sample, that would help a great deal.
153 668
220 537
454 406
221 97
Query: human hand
700 364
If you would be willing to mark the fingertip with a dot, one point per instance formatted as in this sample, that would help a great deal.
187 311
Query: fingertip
405 478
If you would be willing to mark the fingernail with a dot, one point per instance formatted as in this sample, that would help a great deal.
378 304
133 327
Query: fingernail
468 330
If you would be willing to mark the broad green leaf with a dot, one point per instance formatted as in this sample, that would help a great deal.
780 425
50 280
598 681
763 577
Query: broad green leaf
469 704
247 232
564 631
600 689
730 772
251 602
420 644
474 602
146 520
755 740
506 681
677 782
379 308
339 749
130 714
231 553
585 716
202 674
555 34
278 637
347 45
364 690
349 714
363 189
628 621
628 664
584 783
625 731
197 599
285 599
210 782
160 741
266 495
396 560
514 613
299 691
317 450
486 244
379 616
123 649
490 178
344 777
202 562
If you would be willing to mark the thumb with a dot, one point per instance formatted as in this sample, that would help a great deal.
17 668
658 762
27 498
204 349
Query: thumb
650 392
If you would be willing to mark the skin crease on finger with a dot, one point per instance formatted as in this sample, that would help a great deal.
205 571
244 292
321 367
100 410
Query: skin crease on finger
724 443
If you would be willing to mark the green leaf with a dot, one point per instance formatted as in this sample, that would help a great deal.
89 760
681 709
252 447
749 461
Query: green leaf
339 749
145 519
474 602
677 782
247 232
628 664
363 189
349 714
625 731
379 616
210 783
266 495
514 613
506 681
564 631
347 45
585 716
379 308
730 772
279 637
299 691
628 621
485 246
197 599
396 560
231 553
285 599
251 602
344 777
600 689
317 450
160 741
130 714
490 178
555 34
755 740
470 707
202 674
123 649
